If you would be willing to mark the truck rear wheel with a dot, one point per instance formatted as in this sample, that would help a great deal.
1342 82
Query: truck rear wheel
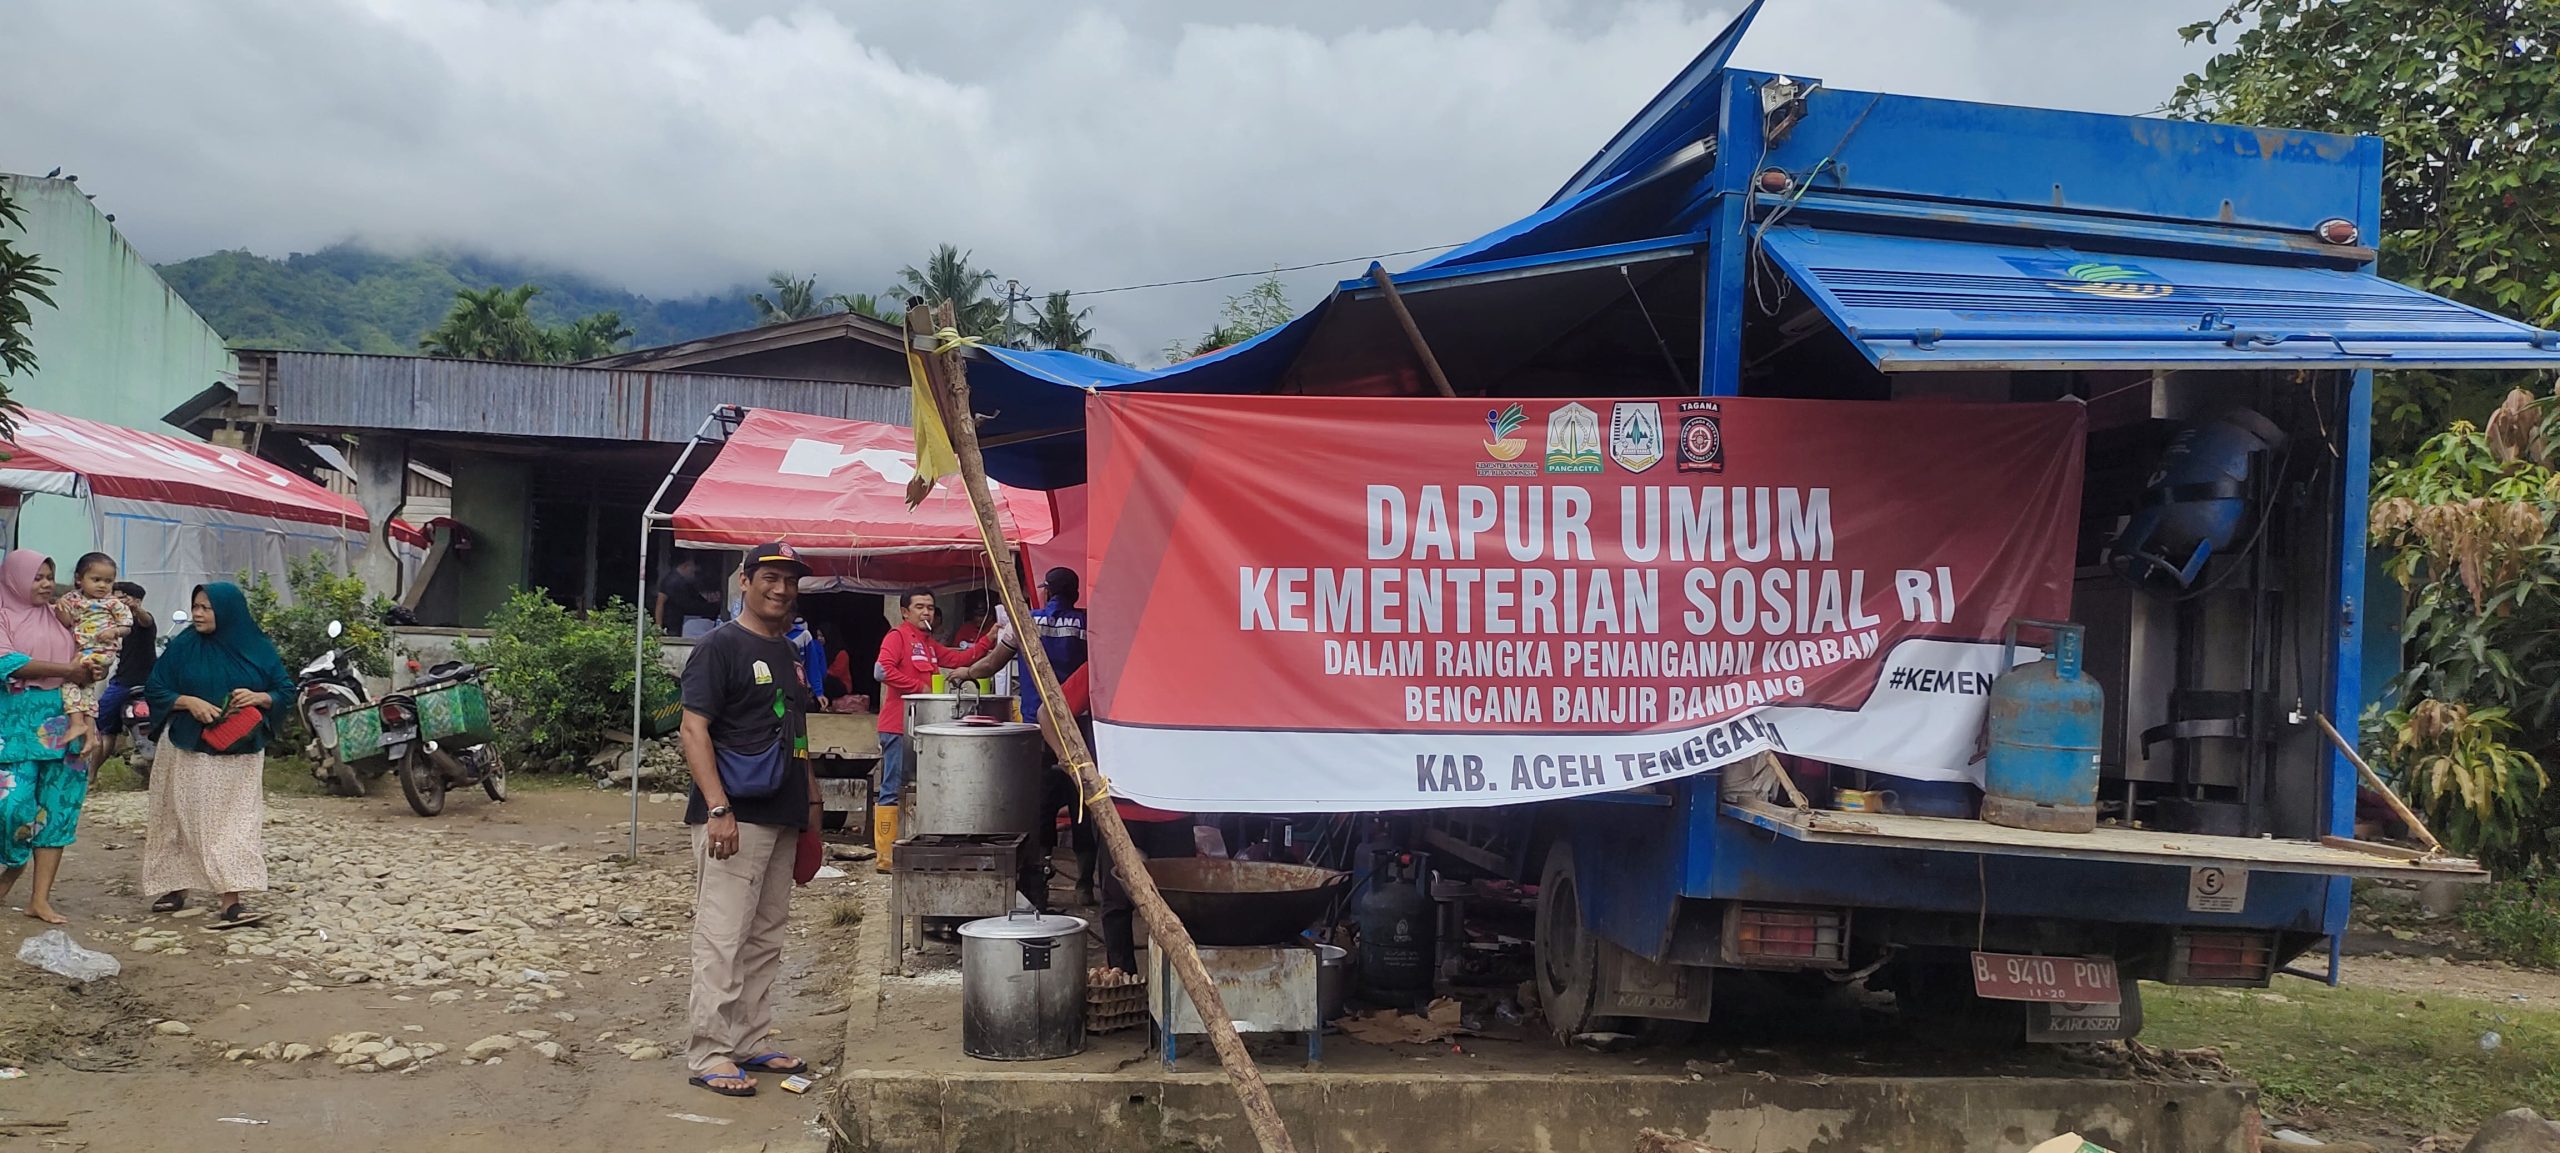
1939 1006
1568 958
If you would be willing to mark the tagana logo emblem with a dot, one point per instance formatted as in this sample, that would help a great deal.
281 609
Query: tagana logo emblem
1573 440
1506 444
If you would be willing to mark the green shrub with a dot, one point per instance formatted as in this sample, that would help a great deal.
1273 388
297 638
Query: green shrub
558 682
320 595
2517 920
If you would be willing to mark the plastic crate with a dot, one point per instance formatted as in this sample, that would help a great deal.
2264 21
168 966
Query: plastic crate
456 712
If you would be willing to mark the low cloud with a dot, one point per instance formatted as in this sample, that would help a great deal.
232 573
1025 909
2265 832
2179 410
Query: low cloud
680 146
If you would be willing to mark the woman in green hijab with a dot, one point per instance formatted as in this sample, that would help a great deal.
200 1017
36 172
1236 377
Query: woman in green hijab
207 806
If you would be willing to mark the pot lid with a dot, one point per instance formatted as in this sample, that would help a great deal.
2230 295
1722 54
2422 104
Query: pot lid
977 728
1022 926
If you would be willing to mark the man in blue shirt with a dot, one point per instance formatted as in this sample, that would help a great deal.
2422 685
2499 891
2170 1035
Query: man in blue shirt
1060 628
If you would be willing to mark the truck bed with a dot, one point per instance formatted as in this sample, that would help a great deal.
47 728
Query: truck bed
2142 846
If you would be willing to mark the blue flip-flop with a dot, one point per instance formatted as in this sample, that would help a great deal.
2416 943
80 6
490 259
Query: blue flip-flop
727 1084
771 1063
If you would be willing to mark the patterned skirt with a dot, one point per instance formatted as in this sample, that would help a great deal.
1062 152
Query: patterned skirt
206 813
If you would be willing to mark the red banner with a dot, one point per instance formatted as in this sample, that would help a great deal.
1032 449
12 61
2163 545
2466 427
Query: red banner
1319 604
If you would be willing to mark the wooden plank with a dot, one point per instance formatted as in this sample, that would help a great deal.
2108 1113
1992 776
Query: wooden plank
2139 846
2396 852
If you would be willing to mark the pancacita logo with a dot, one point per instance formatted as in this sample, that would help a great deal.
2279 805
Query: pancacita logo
1505 425
1573 440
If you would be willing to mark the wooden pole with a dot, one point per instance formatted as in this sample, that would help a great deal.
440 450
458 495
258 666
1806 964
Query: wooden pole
2399 808
1412 331
949 380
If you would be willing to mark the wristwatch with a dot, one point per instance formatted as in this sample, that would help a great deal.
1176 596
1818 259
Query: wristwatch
719 810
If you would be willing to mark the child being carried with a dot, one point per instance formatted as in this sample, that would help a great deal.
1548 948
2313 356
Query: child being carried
98 620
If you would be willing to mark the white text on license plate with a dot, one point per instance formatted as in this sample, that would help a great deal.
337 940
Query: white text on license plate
2067 980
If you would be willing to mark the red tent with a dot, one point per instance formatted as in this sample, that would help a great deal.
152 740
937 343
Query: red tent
68 456
177 512
836 489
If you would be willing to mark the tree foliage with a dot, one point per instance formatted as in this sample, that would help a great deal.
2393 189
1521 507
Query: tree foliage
1062 326
497 324
1246 315
2468 525
558 681
2462 94
350 299
948 278
794 298
23 281
315 593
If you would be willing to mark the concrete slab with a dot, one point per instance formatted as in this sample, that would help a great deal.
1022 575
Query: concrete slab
1811 1086
992 1111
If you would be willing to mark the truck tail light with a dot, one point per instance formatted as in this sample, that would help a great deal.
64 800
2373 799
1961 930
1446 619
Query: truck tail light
2221 958
1779 935
2336 230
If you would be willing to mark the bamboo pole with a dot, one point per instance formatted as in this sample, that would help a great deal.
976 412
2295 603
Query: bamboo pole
949 381
1412 332
2399 808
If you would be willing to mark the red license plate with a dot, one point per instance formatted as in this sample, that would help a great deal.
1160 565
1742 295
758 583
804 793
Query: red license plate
2065 980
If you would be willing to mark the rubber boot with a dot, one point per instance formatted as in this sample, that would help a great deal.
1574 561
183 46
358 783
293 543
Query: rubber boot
884 836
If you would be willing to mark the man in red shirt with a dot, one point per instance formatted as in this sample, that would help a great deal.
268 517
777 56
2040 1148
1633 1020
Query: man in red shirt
909 659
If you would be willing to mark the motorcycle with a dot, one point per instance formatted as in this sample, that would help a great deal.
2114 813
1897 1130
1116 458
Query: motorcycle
426 767
330 685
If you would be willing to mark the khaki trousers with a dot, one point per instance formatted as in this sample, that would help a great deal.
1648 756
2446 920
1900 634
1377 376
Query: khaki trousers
739 909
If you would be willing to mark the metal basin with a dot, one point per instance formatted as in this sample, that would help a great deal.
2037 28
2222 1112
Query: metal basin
1245 902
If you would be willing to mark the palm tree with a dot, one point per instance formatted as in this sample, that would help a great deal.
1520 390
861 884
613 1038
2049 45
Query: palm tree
948 278
792 299
586 338
1061 325
488 324
884 307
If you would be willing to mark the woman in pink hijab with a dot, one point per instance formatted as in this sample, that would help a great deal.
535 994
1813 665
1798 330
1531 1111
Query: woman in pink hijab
41 789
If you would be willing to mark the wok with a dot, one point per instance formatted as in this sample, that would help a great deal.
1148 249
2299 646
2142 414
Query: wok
1245 902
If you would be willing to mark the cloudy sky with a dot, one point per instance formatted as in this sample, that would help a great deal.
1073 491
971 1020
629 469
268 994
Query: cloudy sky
681 146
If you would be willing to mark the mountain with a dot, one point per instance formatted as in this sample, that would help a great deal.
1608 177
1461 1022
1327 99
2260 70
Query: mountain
350 299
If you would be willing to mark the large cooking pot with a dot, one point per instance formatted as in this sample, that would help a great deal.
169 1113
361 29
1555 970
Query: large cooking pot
1022 981
977 778
1245 902
951 708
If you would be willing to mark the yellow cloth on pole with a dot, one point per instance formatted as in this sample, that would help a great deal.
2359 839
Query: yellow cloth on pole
934 458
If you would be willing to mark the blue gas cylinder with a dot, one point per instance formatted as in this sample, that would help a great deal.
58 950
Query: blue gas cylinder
2046 720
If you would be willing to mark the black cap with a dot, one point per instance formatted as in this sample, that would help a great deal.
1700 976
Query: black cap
777 553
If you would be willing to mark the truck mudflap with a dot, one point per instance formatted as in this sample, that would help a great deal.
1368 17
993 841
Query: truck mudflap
2333 856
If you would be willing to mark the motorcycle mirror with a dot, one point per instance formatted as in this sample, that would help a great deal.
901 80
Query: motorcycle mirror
180 618
336 630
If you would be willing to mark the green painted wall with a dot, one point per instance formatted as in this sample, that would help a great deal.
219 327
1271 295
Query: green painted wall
118 346
489 496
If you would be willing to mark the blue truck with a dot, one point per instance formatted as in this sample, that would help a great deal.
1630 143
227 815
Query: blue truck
1753 234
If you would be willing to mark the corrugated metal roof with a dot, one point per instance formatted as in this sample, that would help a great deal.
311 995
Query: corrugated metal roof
427 394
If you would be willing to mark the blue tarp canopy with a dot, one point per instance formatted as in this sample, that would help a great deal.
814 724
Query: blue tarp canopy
1923 303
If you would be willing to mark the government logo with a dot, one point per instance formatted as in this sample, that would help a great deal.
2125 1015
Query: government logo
1635 434
1573 440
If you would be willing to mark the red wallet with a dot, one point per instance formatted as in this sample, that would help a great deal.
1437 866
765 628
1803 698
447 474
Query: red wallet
231 732
812 851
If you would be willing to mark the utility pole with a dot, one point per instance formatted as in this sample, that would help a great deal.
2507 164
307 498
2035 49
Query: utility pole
1014 297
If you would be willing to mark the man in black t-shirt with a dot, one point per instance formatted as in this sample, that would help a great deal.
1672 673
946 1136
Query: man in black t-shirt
746 741
686 606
